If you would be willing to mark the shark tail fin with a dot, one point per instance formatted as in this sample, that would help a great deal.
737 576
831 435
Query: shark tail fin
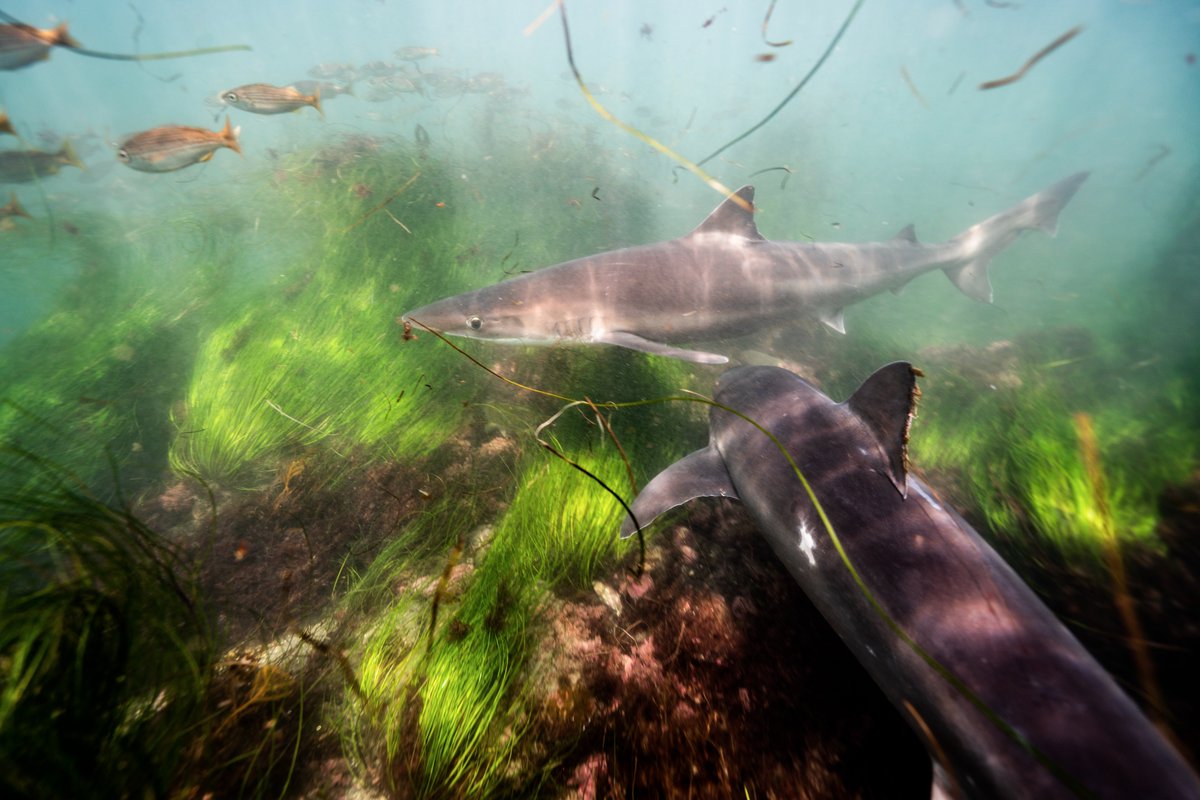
982 241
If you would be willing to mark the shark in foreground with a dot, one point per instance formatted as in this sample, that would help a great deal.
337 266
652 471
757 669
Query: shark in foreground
725 279
1073 731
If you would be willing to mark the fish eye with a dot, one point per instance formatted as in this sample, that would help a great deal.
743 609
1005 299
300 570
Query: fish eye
475 323
123 154
231 97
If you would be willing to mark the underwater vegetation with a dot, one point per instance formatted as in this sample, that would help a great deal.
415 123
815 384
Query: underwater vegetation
106 649
445 661
1013 451
399 578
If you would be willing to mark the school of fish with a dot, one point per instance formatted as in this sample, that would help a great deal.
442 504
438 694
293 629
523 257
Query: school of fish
173 146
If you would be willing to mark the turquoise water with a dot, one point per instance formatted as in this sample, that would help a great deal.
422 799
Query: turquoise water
235 322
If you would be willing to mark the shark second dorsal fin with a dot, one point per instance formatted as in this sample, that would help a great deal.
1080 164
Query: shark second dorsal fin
885 404
701 474
733 217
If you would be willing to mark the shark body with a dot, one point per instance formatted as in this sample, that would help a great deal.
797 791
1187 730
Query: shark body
725 279
1073 731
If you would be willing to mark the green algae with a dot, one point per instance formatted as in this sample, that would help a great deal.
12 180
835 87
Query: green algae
106 650
1015 451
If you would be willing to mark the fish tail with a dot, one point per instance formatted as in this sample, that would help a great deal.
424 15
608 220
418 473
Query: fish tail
229 136
979 243
6 125
15 208
62 38
67 155
314 100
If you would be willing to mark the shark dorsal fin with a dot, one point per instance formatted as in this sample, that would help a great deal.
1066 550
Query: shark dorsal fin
906 234
885 404
732 216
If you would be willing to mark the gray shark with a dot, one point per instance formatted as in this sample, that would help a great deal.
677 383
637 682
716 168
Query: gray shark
725 279
1061 725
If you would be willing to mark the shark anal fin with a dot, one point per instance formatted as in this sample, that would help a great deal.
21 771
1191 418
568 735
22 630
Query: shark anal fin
885 404
735 216
701 474
635 342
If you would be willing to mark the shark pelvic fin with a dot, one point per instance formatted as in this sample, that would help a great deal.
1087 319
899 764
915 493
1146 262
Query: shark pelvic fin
731 217
906 234
885 404
701 474
972 279
835 319
635 342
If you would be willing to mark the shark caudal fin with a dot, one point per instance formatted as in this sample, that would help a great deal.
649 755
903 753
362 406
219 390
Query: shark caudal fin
982 241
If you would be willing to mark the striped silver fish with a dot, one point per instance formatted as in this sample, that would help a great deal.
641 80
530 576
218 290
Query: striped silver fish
22 45
23 166
171 147
263 98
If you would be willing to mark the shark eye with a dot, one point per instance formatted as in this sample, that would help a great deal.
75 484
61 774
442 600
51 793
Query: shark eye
475 323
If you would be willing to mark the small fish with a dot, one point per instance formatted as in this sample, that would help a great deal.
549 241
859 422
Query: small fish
378 69
415 53
263 98
22 166
22 45
172 147
6 124
14 209
325 89
343 72
444 83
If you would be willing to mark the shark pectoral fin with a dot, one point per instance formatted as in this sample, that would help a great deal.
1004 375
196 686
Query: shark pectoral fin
835 319
885 404
635 342
701 474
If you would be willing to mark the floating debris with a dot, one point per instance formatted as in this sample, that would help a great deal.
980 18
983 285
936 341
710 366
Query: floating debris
1038 56
912 87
